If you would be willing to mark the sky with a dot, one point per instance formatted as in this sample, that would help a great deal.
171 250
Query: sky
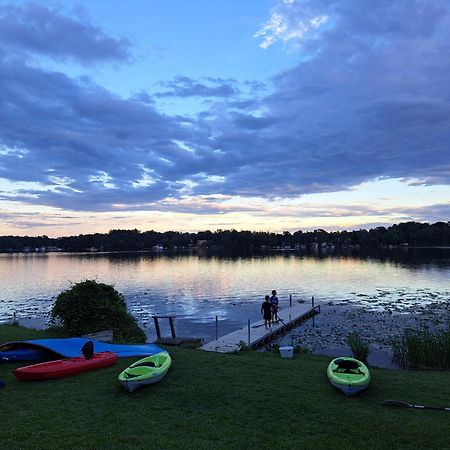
265 115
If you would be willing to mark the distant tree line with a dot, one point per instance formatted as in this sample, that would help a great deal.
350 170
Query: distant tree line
411 233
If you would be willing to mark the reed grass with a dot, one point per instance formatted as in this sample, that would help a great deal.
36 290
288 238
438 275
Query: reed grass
360 347
422 349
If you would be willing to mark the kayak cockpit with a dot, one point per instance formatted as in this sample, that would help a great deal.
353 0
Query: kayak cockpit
348 366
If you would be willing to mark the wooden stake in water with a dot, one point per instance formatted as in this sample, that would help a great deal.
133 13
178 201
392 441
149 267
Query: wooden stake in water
158 330
217 328
172 327
249 341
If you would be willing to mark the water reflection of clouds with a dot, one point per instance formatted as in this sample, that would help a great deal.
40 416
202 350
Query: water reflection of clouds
196 289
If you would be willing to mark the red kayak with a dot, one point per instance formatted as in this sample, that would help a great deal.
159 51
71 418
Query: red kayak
64 367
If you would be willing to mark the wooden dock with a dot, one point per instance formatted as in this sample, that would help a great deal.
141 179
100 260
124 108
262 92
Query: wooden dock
256 334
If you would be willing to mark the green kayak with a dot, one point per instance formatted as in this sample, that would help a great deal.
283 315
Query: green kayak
148 370
349 375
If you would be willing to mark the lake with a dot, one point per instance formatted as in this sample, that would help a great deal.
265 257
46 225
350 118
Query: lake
198 287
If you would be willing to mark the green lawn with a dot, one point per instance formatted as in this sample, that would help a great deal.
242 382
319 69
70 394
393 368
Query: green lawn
208 400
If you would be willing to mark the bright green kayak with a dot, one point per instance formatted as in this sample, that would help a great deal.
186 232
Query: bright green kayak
349 375
148 370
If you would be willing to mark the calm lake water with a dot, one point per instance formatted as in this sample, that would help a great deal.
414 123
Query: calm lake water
197 287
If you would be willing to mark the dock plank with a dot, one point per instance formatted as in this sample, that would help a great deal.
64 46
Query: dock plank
259 334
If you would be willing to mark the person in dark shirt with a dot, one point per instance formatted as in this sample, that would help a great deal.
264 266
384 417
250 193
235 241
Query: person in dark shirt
266 311
274 303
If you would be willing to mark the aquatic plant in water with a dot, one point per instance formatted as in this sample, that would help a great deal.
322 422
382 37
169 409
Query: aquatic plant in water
422 349
360 347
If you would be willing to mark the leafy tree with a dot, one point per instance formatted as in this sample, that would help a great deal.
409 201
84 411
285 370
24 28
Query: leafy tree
413 233
88 307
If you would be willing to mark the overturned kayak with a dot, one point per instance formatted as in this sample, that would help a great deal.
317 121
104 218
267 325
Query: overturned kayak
24 354
148 370
71 347
349 375
64 367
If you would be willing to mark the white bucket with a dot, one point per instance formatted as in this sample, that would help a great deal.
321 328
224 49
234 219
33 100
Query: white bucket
287 352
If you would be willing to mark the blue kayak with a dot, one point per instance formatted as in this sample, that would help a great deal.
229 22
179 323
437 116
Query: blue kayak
24 354
71 347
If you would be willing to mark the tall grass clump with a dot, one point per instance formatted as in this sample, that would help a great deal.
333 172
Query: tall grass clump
359 346
422 349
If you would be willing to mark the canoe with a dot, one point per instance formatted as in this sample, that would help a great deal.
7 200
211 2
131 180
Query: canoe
349 375
64 367
147 370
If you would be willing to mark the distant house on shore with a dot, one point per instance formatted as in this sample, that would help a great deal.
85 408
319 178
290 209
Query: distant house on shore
52 248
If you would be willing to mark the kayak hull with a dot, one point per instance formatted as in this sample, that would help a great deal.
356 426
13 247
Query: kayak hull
349 375
64 367
348 389
149 370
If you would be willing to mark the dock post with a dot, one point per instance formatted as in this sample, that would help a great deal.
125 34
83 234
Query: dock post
249 341
172 327
312 301
217 328
290 300
158 330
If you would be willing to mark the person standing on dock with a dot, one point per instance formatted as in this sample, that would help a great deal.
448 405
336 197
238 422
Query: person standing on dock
266 311
274 303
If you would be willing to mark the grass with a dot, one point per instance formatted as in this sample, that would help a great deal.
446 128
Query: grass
245 400
422 348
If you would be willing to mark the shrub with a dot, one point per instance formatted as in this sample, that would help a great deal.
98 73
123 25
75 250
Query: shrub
359 347
88 307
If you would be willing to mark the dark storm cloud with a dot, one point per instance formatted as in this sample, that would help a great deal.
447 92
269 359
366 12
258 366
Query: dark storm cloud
187 87
39 29
90 148
250 122
370 99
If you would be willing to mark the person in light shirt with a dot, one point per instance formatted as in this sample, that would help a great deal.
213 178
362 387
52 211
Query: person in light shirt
274 303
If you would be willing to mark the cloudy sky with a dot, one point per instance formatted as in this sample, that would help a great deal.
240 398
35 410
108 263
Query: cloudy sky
206 114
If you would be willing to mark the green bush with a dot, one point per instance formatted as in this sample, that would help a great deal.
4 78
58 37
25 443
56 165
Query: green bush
88 307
